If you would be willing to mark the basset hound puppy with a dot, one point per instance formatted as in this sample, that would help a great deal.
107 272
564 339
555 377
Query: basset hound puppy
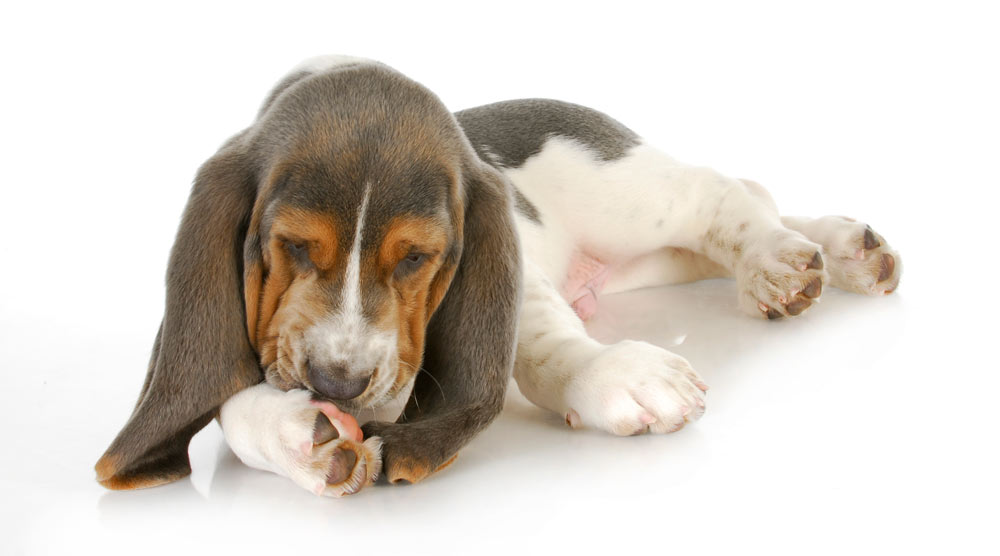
361 254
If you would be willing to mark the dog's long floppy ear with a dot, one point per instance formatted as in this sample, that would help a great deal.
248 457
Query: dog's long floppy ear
202 354
469 351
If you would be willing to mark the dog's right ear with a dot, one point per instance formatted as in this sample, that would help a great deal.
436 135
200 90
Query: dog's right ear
202 354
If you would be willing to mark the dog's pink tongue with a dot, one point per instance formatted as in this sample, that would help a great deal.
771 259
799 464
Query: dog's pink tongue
336 425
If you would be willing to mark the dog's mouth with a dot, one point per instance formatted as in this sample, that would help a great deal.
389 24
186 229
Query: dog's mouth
356 395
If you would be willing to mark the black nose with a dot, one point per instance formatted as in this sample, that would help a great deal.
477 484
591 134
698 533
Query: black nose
336 383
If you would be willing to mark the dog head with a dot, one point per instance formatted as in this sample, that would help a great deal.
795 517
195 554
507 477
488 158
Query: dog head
343 215
356 235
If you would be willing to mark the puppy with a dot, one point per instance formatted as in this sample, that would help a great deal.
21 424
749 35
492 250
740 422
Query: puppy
355 254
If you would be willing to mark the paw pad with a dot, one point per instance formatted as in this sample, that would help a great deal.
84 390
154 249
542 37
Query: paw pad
342 463
887 267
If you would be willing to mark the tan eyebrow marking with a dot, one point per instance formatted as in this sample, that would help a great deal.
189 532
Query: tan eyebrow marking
428 235
317 230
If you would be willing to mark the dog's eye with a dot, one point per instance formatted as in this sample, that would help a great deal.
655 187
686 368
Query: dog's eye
299 252
409 264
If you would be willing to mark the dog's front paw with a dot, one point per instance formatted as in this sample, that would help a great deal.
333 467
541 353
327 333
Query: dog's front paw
323 451
631 387
782 275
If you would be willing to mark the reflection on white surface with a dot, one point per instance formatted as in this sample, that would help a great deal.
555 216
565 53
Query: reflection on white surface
835 419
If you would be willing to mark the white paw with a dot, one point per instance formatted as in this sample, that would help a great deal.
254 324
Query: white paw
781 275
859 260
321 448
631 387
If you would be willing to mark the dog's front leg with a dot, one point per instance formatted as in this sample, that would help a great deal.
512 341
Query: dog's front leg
311 442
624 388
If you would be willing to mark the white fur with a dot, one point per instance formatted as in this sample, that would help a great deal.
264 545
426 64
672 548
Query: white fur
317 64
272 430
651 220
351 294
629 207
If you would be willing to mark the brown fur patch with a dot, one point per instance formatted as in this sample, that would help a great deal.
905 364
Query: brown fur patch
297 305
253 277
426 235
283 312
132 482
166 469
409 470
447 463
106 467
315 230
418 294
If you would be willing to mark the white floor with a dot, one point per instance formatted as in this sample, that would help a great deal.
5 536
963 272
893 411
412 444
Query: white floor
866 426
862 426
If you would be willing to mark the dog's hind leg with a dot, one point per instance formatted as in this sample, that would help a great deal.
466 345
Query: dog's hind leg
857 258
644 219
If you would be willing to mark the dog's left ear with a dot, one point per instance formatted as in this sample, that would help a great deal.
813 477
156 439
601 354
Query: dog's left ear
202 354
469 350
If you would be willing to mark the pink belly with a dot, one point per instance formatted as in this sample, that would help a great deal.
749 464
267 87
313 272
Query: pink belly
584 280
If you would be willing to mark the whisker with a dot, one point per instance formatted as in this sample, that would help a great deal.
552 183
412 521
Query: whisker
412 397
441 388
444 398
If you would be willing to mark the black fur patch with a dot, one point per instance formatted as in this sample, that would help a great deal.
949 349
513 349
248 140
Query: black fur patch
508 133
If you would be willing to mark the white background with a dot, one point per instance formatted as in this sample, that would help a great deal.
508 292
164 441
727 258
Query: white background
864 426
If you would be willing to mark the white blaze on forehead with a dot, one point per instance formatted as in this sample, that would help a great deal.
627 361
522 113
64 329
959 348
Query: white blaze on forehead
345 339
350 300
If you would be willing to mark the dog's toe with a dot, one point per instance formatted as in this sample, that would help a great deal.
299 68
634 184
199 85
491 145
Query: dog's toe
634 387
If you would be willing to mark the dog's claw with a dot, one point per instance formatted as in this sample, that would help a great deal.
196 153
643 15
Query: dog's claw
816 263
796 307
813 289
871 242
573 419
